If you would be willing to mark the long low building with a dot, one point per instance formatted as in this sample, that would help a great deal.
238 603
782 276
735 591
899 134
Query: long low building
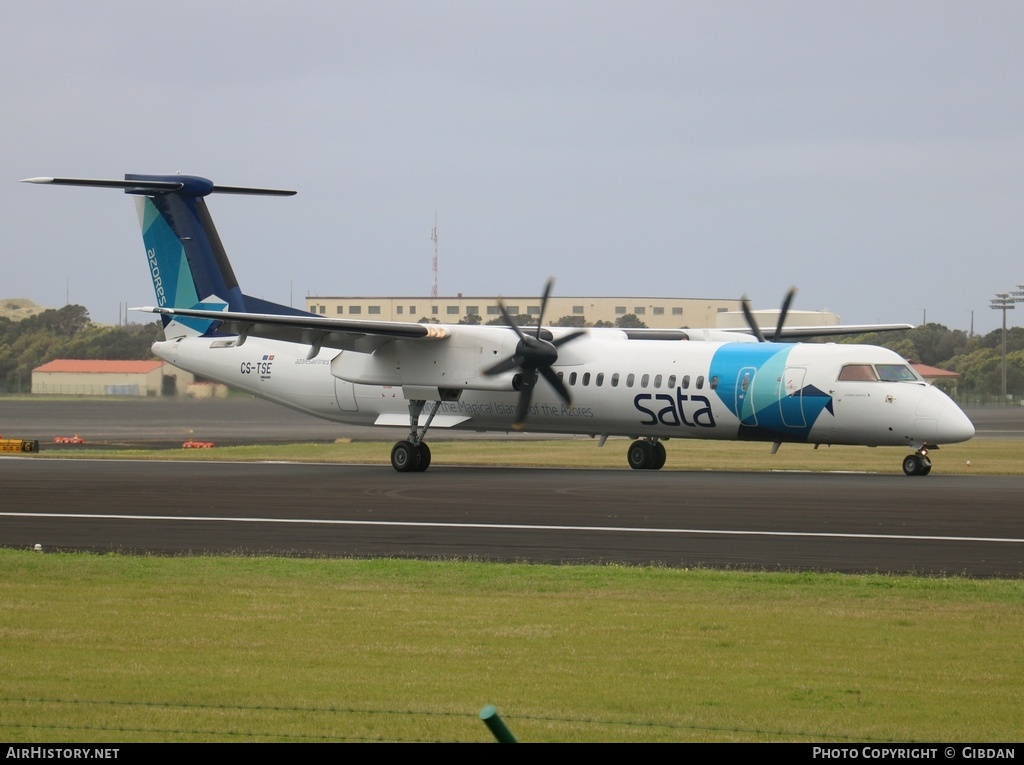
660 313
101 377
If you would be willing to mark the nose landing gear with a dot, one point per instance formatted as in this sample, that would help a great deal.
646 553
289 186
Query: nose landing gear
917 463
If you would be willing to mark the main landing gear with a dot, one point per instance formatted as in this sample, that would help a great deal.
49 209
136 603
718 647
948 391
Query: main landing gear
917 463
646 454
407 457
413 455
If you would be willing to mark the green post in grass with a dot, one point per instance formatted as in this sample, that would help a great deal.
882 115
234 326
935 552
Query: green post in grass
491 719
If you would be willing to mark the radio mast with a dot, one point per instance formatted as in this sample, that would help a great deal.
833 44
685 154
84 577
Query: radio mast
433 238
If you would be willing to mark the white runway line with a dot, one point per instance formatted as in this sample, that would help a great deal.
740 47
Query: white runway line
513 527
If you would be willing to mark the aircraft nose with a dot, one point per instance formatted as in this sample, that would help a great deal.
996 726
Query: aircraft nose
952 425
958 428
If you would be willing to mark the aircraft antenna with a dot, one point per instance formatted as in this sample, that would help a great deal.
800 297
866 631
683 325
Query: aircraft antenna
433 238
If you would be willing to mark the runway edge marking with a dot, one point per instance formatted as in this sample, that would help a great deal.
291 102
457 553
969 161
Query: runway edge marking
512 527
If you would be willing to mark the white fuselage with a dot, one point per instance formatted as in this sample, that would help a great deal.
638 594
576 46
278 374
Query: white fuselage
636 388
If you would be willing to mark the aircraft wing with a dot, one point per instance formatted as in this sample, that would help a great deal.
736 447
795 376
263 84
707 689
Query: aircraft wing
726 334
835 330
314 331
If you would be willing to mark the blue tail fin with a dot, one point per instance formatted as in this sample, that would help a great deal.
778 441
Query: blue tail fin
186 259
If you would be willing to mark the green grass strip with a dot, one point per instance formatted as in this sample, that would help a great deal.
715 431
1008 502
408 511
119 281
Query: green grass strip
119 648
978 457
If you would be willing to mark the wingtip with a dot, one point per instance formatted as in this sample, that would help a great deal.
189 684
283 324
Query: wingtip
40 179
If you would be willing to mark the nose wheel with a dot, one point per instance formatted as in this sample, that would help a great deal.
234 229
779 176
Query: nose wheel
917 463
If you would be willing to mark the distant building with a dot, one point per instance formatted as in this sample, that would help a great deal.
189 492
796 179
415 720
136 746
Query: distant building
660 313
767 319
87 377
941 378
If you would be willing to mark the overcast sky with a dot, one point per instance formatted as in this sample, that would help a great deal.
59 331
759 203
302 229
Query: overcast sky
870 153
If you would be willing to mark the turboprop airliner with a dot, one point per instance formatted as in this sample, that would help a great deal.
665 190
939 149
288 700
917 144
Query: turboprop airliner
648 385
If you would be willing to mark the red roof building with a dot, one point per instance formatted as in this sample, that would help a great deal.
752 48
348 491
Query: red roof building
931 374
107 377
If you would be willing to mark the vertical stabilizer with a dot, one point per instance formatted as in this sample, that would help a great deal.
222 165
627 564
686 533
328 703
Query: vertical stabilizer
187 262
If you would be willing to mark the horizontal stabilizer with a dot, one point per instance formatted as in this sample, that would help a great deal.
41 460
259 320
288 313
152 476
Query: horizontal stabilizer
163 184
158 186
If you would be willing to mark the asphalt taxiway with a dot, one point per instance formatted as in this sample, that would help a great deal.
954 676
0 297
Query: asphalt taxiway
942 525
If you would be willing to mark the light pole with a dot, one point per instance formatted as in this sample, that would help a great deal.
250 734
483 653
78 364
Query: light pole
1018 297
1003 301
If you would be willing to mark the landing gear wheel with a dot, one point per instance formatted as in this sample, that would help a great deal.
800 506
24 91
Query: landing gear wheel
404 457
424 457
658 461
640 455
917 464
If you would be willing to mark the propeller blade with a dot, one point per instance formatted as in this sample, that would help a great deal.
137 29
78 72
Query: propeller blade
508 319
557 384
782 313
526 385
751 322
566 338
544 303
512 362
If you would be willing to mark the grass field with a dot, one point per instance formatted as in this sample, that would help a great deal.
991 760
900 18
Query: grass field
116 648
979 457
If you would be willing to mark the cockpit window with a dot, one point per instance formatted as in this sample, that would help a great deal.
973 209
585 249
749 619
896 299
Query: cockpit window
896 373
858 373
876 372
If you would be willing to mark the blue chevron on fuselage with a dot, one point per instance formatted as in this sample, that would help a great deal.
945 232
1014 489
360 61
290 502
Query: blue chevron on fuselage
768 397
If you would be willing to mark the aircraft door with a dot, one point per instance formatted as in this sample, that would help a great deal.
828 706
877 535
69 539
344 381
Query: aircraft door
791 399
745 396
345 392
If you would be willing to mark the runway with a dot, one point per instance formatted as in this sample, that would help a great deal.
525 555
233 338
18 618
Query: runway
963 525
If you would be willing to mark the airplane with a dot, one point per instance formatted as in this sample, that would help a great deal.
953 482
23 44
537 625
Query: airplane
650 385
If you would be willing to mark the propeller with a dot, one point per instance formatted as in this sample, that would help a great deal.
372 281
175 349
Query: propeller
752 323
533 357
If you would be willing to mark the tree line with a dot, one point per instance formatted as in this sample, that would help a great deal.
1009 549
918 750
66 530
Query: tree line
66 333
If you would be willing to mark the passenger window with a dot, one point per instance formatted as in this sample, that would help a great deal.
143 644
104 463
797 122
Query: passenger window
599 380
657 381
671 381
644 380
700 381
586 378
572 378
629 380
713 382
686 381
615 380
746 382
